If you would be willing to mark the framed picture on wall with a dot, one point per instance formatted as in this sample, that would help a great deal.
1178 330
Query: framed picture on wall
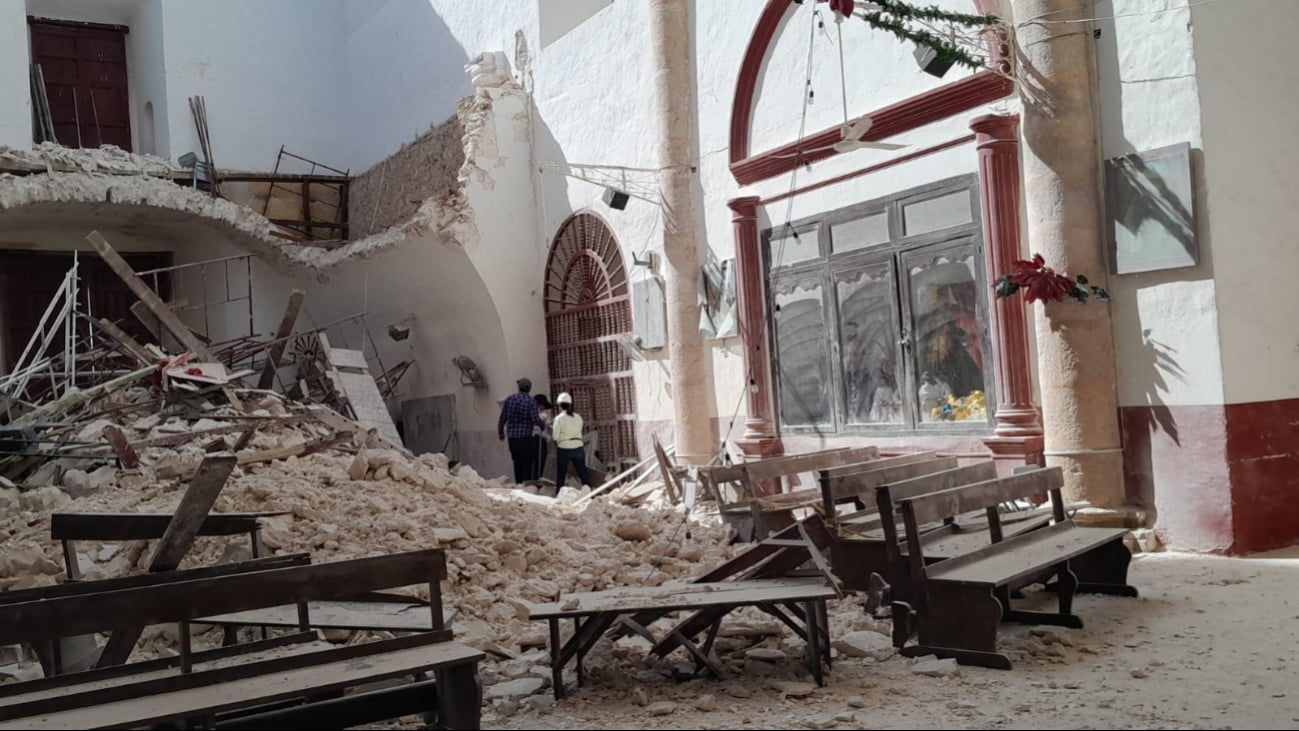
1151 208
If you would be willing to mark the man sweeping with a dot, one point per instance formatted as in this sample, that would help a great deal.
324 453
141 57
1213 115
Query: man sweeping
518 419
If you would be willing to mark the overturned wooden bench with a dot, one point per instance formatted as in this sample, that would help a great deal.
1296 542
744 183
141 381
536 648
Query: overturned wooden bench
957 604
595 612
276 682
754 515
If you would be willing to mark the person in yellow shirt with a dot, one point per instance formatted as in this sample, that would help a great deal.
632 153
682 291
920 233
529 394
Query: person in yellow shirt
569 445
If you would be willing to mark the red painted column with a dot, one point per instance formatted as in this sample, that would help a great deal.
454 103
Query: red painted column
759 439
1018 437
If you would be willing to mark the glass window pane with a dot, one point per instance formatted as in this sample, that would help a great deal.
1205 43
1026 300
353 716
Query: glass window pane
804 374
947 335
869 346
860 233
933 214
793 249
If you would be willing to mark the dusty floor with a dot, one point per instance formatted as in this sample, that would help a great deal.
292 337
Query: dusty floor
1209 645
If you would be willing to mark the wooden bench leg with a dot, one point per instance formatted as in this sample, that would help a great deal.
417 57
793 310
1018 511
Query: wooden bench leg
556 667
812 620
460 697
1104 570
961 622
1066 585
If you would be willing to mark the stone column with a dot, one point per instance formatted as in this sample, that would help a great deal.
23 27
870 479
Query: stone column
1018 439
759 439
669 22
1062 164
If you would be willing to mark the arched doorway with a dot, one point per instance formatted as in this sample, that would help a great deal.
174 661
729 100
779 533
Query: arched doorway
588 309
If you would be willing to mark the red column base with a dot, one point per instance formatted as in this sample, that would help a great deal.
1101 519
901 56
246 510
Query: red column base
1011 452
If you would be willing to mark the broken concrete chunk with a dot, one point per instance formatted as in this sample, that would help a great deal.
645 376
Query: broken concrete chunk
765 654
633 531
865 644
514 689
661 708
705 702
935 667
359 466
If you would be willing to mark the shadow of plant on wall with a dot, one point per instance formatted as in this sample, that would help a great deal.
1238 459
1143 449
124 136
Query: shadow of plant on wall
1156 364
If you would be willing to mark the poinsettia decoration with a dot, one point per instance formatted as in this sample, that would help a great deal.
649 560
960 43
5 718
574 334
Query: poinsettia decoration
1041 283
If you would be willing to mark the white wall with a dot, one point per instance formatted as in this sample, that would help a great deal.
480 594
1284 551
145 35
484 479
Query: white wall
1165 323
405 64
272 74
146 68
15 85
1248 108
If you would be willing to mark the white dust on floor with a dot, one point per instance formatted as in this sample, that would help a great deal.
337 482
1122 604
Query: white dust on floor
1209 644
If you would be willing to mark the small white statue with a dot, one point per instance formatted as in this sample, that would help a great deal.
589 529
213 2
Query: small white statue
489 69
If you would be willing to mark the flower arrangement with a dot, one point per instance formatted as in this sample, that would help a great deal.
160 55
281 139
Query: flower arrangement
1041 283
973 406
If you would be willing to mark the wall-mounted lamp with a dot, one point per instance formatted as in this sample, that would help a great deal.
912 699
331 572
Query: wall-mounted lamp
398 332
616 199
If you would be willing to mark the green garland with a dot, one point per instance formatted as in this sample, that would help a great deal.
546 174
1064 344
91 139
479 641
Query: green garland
896 18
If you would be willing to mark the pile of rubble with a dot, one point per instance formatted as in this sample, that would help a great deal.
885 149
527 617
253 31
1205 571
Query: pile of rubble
349 500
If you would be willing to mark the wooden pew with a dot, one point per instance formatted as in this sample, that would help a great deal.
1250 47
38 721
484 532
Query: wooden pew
956 604
217 686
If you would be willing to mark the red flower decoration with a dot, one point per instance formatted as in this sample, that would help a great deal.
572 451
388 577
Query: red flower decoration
840 7
1041 282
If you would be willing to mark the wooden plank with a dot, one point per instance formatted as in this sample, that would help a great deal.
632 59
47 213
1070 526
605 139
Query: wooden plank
1022 555
151 300
879 463
282 334
866 481
665 468
945 480
176 541
177 600
145 526
347 615
81 588
257 685
130 344
7 690
810 462
148 319
96 681
684 596
192 512
947 503
122 448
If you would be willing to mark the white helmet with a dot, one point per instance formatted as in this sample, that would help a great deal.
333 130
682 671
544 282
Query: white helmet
564 398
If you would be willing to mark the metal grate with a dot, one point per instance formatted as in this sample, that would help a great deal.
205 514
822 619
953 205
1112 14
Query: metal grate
587 310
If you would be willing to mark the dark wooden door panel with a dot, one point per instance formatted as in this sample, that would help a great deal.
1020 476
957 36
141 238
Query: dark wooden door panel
85 79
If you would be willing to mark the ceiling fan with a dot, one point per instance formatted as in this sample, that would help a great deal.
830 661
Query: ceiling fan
851 138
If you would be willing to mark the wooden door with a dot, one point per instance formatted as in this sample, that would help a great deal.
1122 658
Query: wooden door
84 66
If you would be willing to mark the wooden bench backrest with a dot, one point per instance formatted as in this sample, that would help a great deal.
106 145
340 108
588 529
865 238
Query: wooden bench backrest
887 496
809 462
138 581
734 472
842 483
980 495
143 526
177 601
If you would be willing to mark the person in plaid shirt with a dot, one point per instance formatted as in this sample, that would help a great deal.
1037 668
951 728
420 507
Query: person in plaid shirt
518 418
